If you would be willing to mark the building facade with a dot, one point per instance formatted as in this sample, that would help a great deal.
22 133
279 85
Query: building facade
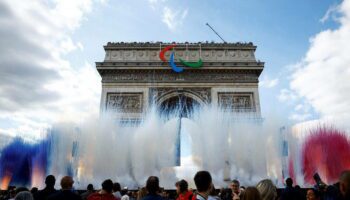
134 78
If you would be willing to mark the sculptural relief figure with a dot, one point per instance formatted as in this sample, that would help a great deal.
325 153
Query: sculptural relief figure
126 103
235 102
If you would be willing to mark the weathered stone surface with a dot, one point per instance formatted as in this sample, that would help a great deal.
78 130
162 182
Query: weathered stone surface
134 77
125 102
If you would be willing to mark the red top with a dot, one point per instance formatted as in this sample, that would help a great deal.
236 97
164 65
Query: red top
187 196
98 196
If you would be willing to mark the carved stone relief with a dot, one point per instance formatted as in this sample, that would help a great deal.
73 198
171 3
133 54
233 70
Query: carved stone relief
236 101
205 55
125 102
186 77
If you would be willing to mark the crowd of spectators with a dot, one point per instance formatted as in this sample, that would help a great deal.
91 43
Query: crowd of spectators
205 190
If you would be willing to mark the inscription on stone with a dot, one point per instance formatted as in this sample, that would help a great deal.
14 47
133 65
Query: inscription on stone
125 102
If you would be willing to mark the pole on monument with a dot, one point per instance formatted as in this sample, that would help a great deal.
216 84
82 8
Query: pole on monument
215 32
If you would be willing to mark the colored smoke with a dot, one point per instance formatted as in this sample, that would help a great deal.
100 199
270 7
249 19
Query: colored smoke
325 151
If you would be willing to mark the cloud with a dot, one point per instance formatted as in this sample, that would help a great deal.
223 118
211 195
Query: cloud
322 77
266 82
173 19
287 96
38 85
331 12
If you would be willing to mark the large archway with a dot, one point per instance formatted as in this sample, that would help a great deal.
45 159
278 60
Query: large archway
178 106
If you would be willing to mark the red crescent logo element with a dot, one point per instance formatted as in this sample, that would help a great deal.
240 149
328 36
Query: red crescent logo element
162 53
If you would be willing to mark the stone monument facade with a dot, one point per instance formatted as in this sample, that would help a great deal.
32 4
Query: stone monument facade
134 77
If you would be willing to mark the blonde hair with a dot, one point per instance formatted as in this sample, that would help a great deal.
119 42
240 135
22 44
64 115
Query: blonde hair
267 189
141 193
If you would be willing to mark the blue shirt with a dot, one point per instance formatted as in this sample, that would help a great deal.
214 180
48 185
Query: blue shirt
152 197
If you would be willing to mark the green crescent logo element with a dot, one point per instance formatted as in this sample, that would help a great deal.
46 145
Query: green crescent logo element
197 64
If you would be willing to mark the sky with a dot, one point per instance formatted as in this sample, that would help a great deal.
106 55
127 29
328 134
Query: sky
48 50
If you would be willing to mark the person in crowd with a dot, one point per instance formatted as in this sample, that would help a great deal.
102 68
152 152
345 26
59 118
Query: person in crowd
182 190
106 193
124 193
141 193
34 190
133 195
235 187
225 194
267 189
152 186
116 190
289 192
299 192
312 194
203 182
49 189
344 184
66 192
24 195
89 190
213 194
251 193
17 191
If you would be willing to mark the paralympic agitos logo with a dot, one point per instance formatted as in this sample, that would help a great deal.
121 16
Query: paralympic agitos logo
171 61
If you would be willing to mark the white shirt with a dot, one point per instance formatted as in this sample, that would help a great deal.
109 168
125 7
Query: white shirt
117 195
125 197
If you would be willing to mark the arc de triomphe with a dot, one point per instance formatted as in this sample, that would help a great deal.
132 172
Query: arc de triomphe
134 77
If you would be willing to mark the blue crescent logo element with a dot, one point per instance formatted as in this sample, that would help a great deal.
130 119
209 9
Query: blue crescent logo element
173 65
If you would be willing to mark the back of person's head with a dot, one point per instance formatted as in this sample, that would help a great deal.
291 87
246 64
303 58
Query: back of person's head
251 193
124 191
67 183
203 181
107 186
50 181
344 183
24 195
183 185
289 182
152 185
21 189
34 190
90 187
116 187
267 189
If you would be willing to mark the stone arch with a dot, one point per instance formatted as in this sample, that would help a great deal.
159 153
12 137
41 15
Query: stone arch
179 103
185 93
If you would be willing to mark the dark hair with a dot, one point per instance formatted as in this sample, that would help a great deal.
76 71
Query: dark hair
90 187
289 182
235 181
152 184
50 181
107 185
21 189
116 187
202 179
183 185
34 190
124 192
